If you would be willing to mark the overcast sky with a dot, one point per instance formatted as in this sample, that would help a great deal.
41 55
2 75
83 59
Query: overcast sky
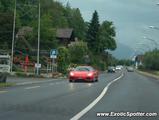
131 18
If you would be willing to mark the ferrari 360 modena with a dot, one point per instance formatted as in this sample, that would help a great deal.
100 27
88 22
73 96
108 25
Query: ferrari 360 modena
84 73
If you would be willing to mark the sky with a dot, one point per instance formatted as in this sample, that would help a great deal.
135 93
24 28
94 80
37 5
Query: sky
131 18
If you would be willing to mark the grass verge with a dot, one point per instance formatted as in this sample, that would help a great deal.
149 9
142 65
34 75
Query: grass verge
6 84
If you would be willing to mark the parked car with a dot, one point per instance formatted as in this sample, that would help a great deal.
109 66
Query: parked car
4 67
84 73
111 69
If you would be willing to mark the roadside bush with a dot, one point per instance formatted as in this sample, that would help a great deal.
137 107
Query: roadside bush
78 51
20 74
63 60
97 62
141 67
151 60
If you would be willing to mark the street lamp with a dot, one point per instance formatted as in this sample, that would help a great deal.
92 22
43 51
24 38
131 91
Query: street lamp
38 49
13 36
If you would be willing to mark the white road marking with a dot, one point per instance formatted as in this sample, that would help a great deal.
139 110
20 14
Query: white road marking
33 87
91 105
3 92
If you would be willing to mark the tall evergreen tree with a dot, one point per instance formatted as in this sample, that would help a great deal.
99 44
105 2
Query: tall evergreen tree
93 33
75 21
78 24
6 5
6 29
107 36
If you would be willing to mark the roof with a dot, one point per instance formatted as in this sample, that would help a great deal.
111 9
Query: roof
64 33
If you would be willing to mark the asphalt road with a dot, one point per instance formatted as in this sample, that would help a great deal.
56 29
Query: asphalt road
114 97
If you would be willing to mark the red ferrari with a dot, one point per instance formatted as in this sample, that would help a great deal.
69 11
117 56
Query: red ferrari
86 73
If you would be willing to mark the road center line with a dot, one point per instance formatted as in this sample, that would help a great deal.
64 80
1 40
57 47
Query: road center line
91 105
33 87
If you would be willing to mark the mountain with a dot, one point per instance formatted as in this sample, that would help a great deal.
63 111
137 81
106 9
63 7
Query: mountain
122 51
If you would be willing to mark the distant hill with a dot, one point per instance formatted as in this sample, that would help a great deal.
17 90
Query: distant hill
122 51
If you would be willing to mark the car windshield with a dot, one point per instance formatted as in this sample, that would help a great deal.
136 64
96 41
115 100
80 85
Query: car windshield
83 69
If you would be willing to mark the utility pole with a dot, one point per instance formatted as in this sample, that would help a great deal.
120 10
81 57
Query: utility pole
38 42
13 36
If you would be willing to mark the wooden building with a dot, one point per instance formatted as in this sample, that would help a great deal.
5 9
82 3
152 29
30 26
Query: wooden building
65 36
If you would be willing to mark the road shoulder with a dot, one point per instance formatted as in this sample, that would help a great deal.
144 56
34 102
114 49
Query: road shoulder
148 74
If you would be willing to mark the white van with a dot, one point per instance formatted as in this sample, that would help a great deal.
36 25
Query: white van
4 67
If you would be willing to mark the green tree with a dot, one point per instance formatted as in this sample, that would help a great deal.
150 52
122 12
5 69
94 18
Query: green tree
75 21
48 33
27 10
126 62
6 28
151 60
79 24
6 22
107 37
56 11
78 51
93 33
6 5
63 59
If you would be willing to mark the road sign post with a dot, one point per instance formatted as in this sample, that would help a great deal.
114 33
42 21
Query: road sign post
37 67
53 56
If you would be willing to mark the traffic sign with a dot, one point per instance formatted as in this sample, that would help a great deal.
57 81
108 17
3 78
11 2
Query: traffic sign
53 53
53 56
37 65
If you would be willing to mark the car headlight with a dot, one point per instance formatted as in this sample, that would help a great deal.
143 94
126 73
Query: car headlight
71 74
89 74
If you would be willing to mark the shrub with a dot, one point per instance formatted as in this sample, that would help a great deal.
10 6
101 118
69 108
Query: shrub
78 51
151 60
63 59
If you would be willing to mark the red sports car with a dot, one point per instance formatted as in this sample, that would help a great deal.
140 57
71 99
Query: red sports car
86 73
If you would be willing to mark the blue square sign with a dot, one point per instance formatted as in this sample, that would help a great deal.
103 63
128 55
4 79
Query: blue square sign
53 53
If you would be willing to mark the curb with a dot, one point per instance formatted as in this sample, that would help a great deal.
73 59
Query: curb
148 74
